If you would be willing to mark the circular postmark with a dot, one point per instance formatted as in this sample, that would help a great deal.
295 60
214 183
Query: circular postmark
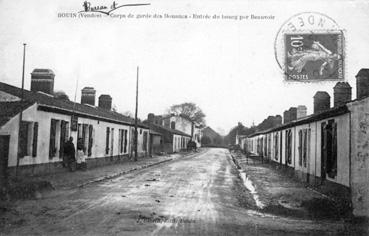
309 46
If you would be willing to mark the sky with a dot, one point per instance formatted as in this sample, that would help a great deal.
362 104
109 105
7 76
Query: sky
226 66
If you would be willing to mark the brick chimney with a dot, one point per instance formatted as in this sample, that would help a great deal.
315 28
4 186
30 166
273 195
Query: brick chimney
301 111
42 80
150 118
286 117
293 113
105 101
341 93
322 102
88 96
362 83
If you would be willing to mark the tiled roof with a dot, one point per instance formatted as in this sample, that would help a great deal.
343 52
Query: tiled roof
56 105
160 129
335 111
10 109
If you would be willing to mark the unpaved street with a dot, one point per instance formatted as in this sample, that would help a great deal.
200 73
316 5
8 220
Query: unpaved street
196 195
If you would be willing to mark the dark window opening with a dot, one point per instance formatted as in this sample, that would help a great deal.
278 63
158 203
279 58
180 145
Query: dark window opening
125 141
289 146
173 125
329 148
23 142
300 147
35 137
276 146
90 140
107 140
52 143
144 141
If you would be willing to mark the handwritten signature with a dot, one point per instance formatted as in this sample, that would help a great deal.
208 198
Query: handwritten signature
88 7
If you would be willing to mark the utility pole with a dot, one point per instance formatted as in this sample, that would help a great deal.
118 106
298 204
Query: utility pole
21 112
136 133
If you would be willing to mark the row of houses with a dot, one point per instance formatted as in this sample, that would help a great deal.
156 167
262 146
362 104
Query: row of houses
35 124
328 149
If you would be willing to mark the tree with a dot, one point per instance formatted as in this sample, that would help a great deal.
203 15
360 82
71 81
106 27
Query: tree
61 95
189 109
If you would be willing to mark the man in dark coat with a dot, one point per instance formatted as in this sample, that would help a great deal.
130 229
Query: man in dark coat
70 153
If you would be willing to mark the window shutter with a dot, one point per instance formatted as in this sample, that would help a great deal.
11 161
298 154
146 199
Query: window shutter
35 137
90 139
107 140
52 149
23 142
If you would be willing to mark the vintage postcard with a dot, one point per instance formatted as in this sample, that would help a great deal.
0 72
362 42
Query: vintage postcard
162 117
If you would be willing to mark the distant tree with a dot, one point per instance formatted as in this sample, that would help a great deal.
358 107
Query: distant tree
205 140
189 109
240 129
61 95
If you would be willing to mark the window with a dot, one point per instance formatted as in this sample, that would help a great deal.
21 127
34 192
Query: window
122 136
306 144
52 142
64 132
329 148
300 147
289 146
144 141
107 140
173 125
112 142
35 137
276 146
28 139
125 141
90 139
85 138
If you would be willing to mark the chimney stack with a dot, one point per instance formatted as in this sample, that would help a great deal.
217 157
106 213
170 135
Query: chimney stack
301 111
105 101
42 80
362 83
292 113
150 118
88 96
286 117
277 120
322 102
341 93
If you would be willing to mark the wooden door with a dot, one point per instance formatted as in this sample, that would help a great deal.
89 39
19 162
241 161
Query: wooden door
4 155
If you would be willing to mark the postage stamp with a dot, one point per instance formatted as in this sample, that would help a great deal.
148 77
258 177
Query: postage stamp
310 46
314 56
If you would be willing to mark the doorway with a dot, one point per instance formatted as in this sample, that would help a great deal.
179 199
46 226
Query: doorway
4 156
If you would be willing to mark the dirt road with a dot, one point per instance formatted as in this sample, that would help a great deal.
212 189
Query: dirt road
197 195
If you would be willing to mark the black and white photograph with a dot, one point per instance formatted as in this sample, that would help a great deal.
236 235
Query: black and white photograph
159 117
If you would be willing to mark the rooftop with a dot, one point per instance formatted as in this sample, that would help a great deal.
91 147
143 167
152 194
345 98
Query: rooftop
49 103
9 109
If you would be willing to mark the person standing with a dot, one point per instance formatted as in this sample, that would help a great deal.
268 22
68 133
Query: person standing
70 154
81 160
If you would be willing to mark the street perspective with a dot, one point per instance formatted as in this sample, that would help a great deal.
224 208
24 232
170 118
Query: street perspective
158 117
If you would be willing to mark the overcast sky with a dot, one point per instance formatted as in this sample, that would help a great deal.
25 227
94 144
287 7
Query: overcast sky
227 67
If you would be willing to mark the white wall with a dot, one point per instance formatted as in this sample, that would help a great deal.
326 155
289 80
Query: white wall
314 153
43 142
360 156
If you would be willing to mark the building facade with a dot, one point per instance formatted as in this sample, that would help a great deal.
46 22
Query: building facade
34 133
328 149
